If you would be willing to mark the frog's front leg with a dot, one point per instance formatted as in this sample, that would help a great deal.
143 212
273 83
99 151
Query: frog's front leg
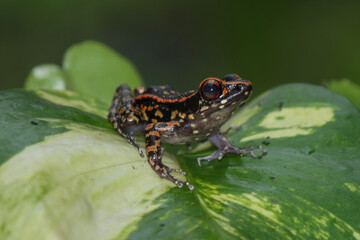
122 114
153 132
225 147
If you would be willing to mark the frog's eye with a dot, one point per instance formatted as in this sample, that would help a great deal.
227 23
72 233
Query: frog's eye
211 89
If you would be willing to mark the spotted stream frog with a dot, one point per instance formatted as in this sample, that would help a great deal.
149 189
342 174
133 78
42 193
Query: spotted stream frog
164 115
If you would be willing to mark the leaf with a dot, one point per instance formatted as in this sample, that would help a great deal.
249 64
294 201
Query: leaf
90 68
96 70
47 76
70 176
347 88
65 173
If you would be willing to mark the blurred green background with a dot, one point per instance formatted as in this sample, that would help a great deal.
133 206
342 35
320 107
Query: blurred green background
182 42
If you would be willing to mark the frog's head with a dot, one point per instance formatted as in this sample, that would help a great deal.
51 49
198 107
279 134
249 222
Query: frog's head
231 90
219 98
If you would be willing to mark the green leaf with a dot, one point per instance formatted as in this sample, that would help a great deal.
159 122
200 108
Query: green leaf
65 173
47 76
347 88
90 68
96 70
70 176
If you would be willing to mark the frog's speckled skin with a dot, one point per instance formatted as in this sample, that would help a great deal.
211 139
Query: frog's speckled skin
163 114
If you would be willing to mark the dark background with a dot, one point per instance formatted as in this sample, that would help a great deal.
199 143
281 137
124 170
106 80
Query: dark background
182 42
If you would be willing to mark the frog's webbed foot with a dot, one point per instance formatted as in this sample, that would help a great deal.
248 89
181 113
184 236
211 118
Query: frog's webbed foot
164 172
225 147
220 153
178 182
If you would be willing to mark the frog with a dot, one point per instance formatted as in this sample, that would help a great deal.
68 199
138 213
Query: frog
164 115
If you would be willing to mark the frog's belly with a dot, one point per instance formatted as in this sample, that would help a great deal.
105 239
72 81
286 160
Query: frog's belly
191 132
200 128
183 138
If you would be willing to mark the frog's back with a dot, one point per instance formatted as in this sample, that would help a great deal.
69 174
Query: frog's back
165 91
161 103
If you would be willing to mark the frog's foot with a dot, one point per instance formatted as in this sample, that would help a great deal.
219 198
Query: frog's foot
132 141
164 172
124 133
220 153
225 147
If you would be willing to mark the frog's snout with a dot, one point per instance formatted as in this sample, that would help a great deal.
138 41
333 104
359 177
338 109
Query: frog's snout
245 87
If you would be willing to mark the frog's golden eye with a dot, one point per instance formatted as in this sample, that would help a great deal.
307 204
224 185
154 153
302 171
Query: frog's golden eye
211 89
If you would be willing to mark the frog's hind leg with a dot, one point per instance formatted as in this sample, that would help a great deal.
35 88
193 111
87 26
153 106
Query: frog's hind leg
154 152
123 104
225 147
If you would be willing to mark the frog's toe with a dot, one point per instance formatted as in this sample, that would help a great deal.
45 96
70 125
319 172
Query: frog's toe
191 187
176 170
164 172
213 156
132 141
249 151
180 184
221 152
140 151
263 150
